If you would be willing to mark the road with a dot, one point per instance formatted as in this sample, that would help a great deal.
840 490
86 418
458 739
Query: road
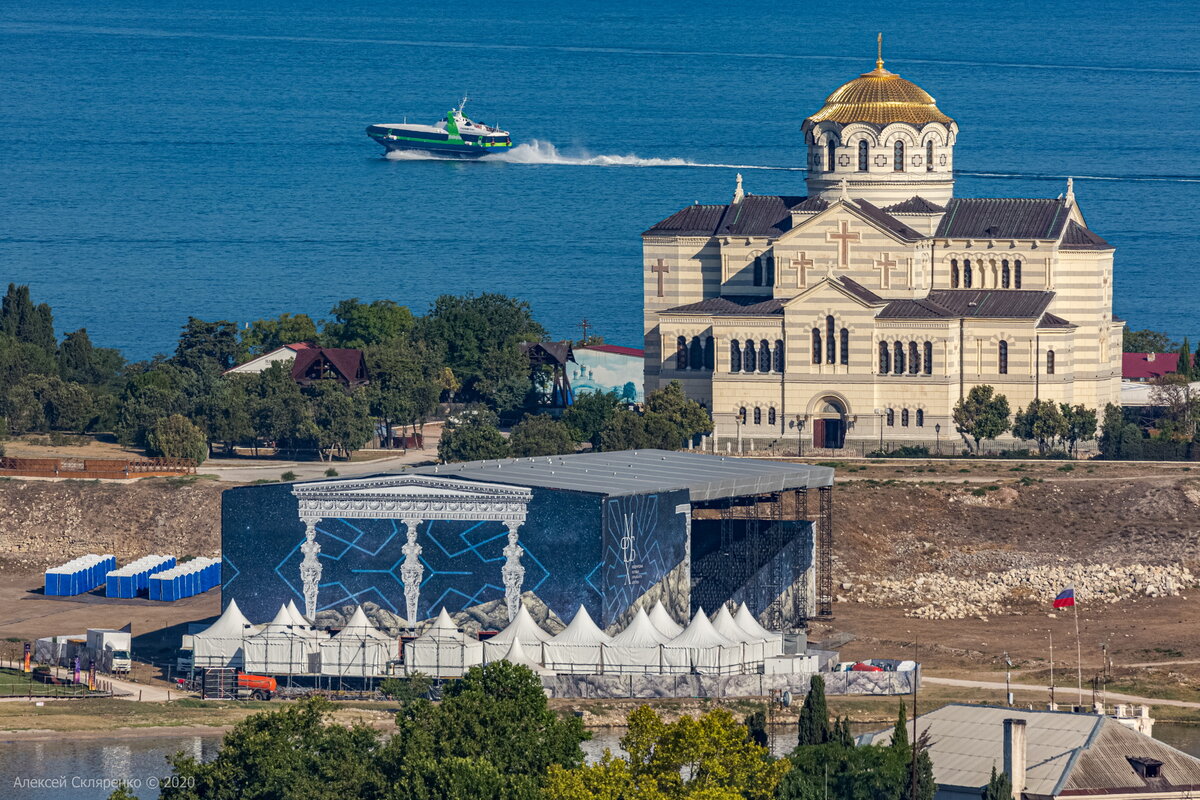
1063 691
236 471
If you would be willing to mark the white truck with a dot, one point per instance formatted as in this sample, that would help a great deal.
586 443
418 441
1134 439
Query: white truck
110 650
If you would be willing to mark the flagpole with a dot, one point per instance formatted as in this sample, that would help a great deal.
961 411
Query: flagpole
1078 650
1052 666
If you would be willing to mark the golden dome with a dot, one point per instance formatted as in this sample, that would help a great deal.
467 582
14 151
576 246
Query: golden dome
880 97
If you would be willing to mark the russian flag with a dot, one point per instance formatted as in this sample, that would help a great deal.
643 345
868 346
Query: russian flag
1066 598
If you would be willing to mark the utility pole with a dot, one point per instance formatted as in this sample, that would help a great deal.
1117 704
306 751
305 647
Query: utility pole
584 325
1008 696
913 793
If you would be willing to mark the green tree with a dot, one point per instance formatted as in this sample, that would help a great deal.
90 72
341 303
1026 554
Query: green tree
1146 341
404 385
1184 365
999 787
151 392
18 359
25 322
540 435
756 727
341 416
279 411
983 414
813 722
1041 421
225 413
209 347
589 415
900 730
176 437
358 324
1081 425
409 689
265 335
837 772
80 362
626 430
47 402
473 436
688 416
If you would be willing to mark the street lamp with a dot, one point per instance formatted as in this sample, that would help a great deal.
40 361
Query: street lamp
798 424
879 416
938 430
1007 677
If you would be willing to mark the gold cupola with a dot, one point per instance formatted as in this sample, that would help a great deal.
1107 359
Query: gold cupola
880 97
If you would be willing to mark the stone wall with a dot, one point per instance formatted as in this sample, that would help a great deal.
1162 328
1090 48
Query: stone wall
663 686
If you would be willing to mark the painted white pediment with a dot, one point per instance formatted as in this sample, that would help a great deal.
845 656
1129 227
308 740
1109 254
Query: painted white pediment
830 288
838 210
411 497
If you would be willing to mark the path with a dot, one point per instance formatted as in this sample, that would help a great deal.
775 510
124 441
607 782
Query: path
233 471
141 691
1065 692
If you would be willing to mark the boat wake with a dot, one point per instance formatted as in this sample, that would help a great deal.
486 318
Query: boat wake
536 151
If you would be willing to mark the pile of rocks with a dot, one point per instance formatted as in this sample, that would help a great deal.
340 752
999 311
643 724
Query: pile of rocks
939 596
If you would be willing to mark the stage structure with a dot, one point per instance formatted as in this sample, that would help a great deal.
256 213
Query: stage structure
611 532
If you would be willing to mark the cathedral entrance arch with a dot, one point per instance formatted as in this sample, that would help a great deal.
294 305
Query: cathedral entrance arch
829 423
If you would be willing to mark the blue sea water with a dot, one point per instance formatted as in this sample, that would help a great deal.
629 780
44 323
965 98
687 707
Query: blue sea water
167 158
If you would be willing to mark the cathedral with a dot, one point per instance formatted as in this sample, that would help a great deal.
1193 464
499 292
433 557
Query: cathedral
861 313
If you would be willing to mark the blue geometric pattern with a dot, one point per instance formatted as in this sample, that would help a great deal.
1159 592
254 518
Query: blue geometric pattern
644 539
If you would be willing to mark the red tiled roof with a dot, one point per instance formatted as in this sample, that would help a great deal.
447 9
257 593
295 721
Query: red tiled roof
1138 366
615 348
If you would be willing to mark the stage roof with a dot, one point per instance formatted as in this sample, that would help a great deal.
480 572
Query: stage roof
706 477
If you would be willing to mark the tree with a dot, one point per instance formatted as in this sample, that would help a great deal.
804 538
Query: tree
176 437
404 388
449 383
47 402
265 335
1041 421
224 414
540 435
1180 406
473 436
983 414
629 392
18 359
151 392
999 787
341 417
589 415
358 324
900 730
688 416
1184 365
1146 341
209 347
80 362
1081 425
626 430
756 727
837 772
25 322
813 723
414 687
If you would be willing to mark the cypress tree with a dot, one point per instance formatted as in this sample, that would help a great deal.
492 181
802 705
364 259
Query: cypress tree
1184 367
1196 363
999 787
813 724
900 731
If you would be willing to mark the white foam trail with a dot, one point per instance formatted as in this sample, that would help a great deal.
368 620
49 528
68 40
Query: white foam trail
539 152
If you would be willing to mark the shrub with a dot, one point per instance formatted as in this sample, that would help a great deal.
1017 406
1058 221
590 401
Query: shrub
331 473
176 437
907 451
288 476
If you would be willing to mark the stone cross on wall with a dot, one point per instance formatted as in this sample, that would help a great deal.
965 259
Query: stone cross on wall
660 268
885 265
843 237
801 266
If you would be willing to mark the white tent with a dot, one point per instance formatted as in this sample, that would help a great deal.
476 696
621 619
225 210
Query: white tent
522 627
662 620
220 644
577 648
773 641
751 646
281 647
637 649
700 649
358 649
298 619
516 655
442 651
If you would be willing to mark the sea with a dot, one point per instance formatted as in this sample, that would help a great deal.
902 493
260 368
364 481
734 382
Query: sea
171 158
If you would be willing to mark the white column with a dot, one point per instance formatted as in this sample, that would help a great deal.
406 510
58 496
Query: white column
310 567
512 573
411 571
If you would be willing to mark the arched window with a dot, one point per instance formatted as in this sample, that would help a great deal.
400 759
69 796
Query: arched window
845 346
830 147
757 415
898 156
920 418
749 359
1005 274
696 354
904 418
764 356
966 273
735 355
898 358
710 355
862 155
885 358
1017 274
681 353
770 270
891 418
830 342
816 345
779 356
1002 357
742 415
929 156
1049 362
914 359
770 416
758 271
954 273
927 362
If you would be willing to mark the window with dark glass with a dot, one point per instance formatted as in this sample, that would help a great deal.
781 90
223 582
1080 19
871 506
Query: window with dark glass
830 147
967 273
816 345
830 342
891 418
1003 357
898 156
764 356
735 356
927 362
749 358
779 356
920 418
898 358
885 359
758 271
696 354
1017 274
1049 362
742 415
844 350
904 418
770 416
770 270
757 415
681 353
710 355
914 359
862 155
929 156
1005 274
954 273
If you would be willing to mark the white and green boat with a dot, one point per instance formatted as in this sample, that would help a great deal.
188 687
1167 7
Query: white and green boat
456 136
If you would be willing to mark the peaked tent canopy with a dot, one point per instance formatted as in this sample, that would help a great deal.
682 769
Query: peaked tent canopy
282 647
522 627
773 641
752 648
637 649
699 648
577 648
516 655
662 620
357 649
220 644
442 651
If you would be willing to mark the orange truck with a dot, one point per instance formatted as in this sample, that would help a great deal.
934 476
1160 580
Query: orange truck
255 687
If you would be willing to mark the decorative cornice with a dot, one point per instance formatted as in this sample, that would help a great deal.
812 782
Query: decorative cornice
385 498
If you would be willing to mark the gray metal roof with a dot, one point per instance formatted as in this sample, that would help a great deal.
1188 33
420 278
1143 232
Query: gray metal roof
624 472
1081 753
1002 218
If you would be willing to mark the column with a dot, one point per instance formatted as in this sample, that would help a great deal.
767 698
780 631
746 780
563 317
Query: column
411 571
512 573
310 567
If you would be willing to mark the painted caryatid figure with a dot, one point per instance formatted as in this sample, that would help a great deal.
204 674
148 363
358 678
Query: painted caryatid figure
512 572
310 568
411 571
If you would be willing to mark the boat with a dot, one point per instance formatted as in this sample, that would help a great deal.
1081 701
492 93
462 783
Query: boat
456 136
